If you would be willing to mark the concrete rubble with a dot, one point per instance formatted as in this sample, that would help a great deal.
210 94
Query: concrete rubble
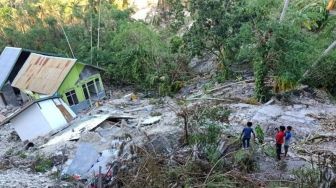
102 140
6 111
96 142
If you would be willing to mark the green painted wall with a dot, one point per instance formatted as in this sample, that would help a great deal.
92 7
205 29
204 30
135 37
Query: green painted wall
72 82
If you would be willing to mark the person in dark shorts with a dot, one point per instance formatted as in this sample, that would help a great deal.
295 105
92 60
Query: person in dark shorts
279 139
246 135
288 137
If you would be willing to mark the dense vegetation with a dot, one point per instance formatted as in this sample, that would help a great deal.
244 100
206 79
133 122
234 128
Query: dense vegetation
153 57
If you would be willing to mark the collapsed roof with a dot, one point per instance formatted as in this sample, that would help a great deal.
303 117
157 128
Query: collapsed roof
8 59
43 74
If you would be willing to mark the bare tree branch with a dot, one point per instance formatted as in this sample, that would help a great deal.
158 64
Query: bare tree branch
284 10
326 52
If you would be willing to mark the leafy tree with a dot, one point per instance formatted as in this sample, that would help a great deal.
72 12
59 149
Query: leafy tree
141 58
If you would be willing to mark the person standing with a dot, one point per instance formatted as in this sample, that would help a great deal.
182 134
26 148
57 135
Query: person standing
279 139
246 135
288 137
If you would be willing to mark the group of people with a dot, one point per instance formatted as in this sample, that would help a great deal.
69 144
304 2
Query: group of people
282 138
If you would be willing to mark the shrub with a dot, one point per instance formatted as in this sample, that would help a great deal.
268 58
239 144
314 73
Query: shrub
244 160
142 58
42 164
260 134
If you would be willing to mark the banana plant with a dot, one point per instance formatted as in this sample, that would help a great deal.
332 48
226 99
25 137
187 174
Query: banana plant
312 12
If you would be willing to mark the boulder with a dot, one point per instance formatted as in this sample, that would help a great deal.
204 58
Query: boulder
160 145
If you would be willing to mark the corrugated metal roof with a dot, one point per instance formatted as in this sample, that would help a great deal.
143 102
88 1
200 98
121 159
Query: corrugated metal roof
43 74
8 58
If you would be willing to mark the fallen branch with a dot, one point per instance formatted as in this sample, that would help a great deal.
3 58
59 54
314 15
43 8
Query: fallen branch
216 99
284 10
232 84
207 177
321 137
226 86
326 52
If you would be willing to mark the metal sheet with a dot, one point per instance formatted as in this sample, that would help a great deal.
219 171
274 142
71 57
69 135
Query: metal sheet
81 126
8 59
43 74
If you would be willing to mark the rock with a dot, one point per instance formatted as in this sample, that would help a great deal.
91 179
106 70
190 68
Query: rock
151 120
5 164
160 145
54 169
90 137
14 136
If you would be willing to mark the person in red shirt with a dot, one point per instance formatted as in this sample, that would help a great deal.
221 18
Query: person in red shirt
279 139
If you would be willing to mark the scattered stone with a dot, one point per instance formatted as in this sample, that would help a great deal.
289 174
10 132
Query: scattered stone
151 120
159 145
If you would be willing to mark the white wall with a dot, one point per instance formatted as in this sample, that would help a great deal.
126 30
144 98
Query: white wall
31 123
52 114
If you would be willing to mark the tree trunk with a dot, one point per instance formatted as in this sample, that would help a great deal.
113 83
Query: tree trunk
326 52
331 47
284 10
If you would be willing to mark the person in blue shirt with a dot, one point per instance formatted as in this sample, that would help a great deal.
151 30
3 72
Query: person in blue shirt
246 135
288 137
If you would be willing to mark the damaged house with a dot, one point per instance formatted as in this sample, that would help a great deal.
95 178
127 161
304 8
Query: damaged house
79 85
11 61
40 117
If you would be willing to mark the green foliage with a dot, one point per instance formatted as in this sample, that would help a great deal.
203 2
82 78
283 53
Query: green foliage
209 137
141 58
249 31
312 14
244 159
219 113
176 14
307 177
22 154
9 152
260 73
324 74
269 151
176 44
260 134
42 164
208 140
219 28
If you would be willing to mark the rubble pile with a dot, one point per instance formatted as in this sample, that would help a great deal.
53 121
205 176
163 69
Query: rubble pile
6 111
113 138
98 142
